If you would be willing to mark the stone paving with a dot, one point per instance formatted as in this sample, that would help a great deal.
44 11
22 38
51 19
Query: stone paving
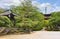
35 35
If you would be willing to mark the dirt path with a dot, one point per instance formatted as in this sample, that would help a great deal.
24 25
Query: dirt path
35 35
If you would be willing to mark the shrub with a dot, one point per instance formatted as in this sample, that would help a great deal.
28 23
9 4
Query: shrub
5 22
54 21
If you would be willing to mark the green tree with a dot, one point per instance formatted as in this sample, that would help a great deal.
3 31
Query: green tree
28 15
2 10
5 22
55 21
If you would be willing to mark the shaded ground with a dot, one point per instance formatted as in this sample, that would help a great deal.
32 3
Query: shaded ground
35 35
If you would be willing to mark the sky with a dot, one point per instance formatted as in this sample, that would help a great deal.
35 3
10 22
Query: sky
52 5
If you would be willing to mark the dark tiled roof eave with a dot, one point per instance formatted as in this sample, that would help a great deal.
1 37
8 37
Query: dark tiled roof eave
47 14
7 13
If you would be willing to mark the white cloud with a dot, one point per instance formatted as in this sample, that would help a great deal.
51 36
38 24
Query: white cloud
45 5
35 3
7 3
41 6
50 7
57 8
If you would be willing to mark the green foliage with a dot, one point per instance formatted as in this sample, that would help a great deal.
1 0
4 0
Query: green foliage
5 22
28 15
2 10
46 23
54 21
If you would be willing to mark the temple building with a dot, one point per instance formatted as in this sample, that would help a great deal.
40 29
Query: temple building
46 16
9 14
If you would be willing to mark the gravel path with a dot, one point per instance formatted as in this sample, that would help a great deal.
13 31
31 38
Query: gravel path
35 35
